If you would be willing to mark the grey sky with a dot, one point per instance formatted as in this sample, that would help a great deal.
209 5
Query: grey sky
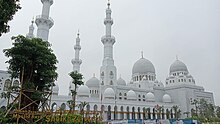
161 29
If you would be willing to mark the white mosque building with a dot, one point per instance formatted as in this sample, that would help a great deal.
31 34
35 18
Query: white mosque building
114 97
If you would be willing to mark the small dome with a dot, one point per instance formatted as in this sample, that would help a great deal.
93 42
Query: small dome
178 66
150 97
121 81
93 82
83 90
109 93
143 66
131 95
166 98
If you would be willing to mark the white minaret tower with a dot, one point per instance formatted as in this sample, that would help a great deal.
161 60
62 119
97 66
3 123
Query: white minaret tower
76 61
108 70
31 30
43 21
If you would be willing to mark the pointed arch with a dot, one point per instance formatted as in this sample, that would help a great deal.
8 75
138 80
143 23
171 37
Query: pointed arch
122 113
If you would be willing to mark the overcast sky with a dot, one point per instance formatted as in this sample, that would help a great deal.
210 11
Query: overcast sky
161 29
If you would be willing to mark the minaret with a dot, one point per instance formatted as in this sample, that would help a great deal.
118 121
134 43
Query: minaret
43 21
31 30
76 61
108 70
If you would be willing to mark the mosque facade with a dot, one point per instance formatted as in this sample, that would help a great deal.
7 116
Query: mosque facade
144 97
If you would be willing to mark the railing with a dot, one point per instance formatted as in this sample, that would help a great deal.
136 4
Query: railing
44 17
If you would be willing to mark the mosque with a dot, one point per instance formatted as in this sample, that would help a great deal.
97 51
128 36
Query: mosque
142 98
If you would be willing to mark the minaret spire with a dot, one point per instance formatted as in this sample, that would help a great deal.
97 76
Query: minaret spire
76 61
31 30
43 21
108 70
142 54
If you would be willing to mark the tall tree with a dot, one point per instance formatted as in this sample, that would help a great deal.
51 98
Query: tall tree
34 63
7 9
76 80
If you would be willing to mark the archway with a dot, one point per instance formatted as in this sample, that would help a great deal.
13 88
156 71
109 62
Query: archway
144 113
87 110
128 113
63 107
139 113
171 114
54 107
122 113
154 114
133 113
168 114
115 113
109 113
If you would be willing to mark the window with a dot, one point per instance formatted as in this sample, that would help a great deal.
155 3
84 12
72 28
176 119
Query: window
170 81
111 83
178 80
111 73
102 74
173 81
181 80
189 80
125 96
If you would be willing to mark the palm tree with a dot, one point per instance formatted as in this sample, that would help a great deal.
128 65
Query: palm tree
82 105
177 111
76 80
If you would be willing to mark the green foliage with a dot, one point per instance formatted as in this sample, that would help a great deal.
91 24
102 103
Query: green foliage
205 112
33 62
76 80
7 9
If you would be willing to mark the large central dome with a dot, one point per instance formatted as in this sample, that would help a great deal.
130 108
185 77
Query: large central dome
143 66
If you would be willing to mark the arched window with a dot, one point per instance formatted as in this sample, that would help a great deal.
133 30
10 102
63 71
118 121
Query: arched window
111 82
111 73
7 84
128 113
102 74
63 106
189 80
143 97
125 96
181 80
133 113
109 113
120 96
54 107
139 97
122 113
139 113
95 108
